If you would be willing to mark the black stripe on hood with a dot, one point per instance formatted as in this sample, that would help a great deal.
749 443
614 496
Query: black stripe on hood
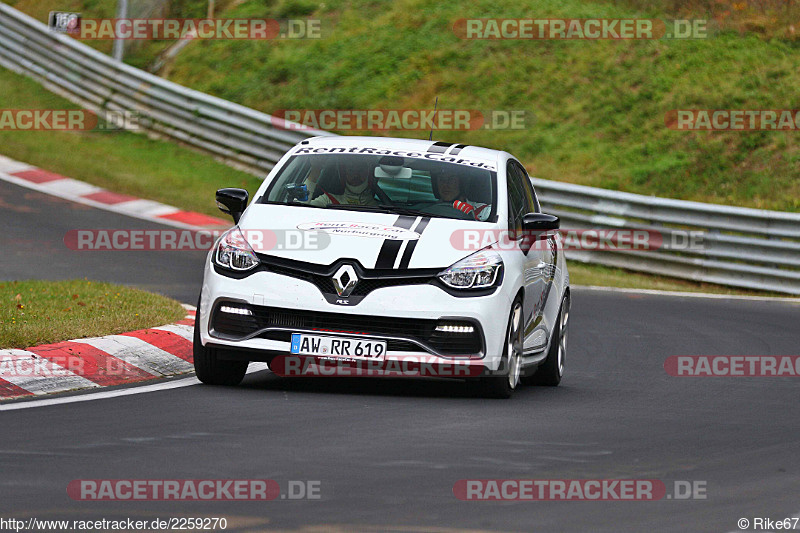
391 247
404 262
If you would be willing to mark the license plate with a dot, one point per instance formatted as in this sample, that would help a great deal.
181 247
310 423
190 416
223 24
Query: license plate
343 347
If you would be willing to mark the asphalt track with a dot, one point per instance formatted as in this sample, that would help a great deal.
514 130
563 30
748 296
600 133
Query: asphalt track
388 452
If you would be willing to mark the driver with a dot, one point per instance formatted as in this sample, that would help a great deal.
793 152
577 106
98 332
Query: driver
358 188
448 188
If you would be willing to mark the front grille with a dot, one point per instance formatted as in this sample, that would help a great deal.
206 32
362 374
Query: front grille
321 275
421 330
366 286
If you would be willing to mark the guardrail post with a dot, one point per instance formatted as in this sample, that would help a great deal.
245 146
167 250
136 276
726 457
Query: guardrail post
119 44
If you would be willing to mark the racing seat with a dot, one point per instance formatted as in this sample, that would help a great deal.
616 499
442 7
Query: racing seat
479 188
328 182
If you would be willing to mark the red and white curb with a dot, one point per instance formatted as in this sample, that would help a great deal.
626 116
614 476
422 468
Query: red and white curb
99 361
40 180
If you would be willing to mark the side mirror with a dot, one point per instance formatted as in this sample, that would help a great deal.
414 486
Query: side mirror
232 202
536 222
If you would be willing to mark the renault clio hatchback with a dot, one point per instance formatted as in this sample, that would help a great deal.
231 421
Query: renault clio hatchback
381 250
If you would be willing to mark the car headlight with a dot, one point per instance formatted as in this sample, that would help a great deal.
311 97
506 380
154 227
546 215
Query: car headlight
234 252
478 271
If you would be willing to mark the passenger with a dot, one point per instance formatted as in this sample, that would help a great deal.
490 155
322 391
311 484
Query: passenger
448 189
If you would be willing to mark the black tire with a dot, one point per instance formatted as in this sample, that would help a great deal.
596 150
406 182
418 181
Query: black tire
502 386
551 371
209 368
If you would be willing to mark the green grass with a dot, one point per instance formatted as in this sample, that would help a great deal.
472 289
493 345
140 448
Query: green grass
44 312
123 162
603 276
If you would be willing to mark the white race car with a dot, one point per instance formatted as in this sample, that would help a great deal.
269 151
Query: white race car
376 253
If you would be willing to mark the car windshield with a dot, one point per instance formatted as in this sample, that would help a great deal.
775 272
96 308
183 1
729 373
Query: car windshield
386 183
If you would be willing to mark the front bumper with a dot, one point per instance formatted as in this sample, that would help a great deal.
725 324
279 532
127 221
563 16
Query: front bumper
264 292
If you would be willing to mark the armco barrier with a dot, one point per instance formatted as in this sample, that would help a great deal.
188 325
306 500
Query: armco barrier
235 134
742 247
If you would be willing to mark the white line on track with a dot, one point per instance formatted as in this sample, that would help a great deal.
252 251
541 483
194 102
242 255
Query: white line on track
168 385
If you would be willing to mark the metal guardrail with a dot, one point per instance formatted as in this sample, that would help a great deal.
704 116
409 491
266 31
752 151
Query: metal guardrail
235 134
742 247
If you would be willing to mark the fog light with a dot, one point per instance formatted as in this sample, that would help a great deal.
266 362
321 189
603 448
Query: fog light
454 328
235 310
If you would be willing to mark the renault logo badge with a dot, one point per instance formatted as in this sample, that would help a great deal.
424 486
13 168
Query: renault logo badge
345 280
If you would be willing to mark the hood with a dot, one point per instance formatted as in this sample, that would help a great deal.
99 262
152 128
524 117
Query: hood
376 240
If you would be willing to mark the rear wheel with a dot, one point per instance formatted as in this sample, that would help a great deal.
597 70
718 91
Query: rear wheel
503 386
207 365
550 372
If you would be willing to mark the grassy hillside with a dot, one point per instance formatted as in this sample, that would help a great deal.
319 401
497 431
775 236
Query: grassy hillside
595 108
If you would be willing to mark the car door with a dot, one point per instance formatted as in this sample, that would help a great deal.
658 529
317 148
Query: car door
521 201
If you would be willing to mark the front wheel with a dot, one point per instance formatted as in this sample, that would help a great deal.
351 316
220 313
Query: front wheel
209 368
550 372
503 386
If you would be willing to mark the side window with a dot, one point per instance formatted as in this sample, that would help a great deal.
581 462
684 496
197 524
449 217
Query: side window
530 196
517 205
